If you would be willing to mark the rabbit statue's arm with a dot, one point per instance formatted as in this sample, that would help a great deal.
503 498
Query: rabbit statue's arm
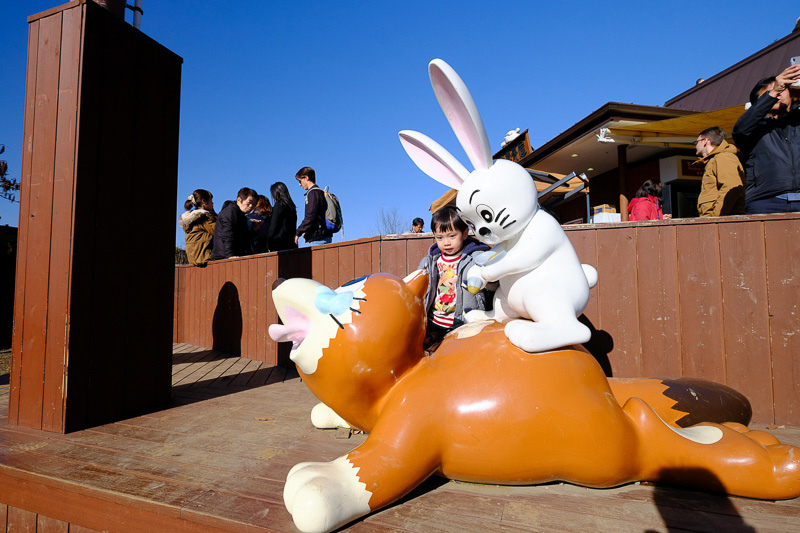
475 281
538 241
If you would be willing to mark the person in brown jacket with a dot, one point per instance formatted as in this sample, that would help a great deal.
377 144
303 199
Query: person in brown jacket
722 190
198 222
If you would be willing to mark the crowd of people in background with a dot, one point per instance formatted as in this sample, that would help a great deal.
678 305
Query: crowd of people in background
252 224
759 174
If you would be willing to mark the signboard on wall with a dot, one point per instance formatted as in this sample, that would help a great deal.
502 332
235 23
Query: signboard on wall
680 167
517 149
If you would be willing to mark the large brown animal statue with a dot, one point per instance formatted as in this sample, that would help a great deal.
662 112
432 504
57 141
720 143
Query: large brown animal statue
482 410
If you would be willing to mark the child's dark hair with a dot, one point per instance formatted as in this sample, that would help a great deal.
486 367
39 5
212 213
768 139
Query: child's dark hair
447 219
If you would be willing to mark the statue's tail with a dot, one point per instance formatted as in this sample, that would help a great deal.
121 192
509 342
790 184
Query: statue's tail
591 275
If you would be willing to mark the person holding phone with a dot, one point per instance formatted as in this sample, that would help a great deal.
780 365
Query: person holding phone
768 134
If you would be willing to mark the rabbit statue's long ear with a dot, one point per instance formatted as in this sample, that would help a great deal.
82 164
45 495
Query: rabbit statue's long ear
461 112
433 159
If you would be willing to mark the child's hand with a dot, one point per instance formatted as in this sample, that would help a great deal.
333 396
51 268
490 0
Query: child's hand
474 280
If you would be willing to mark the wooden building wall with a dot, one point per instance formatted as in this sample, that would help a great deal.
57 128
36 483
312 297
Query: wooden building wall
709 298
91 339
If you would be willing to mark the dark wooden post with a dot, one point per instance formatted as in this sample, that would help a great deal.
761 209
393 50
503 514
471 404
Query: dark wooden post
622 172
95 274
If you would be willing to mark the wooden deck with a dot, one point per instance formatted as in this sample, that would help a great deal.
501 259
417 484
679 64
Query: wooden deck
215 460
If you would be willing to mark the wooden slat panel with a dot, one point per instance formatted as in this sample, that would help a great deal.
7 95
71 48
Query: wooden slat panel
331 258
318 265
271 354
41 206
184 303
243 276
45 524
416 249
176 306
20 520
253 304
194 306
205 287
585 245
239 314
700 302
73 528
744 313
376 256
24 223
363 260
658 301
61 233
782 249
617 298
347 266
261 308
393 257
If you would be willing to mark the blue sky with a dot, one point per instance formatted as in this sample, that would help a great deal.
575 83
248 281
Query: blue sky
269 87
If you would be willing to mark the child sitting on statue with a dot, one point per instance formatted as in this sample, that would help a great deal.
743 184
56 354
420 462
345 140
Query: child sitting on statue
447 263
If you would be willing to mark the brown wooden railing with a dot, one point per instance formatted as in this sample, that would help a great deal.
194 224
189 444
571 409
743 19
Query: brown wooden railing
710 298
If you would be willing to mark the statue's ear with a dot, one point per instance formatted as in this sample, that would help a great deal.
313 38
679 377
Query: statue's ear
433 159
417 283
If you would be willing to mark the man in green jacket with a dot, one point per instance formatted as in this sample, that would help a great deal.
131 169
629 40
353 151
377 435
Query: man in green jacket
722 191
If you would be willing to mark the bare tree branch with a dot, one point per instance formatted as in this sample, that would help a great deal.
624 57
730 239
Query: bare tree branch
389 222
7 184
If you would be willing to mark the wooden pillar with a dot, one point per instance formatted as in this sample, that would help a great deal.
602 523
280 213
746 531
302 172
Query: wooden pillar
94 287
622 173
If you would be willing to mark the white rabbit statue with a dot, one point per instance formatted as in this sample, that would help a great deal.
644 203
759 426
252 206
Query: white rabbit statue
539 274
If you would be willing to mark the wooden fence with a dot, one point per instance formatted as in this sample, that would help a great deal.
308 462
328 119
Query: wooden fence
709 298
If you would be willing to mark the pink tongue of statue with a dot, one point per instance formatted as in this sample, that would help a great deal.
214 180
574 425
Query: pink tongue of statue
295 329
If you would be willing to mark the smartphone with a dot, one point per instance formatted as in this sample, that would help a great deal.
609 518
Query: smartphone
794 61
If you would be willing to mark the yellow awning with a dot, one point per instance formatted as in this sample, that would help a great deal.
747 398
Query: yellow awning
680 130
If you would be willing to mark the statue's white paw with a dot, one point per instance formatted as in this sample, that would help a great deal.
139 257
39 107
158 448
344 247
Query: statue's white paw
323 496
323 417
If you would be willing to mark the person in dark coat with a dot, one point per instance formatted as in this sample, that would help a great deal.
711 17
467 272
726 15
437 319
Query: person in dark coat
313 228
231 235
283 222
768 134
258 219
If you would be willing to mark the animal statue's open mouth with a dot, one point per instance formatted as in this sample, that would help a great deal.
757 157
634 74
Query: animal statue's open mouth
295 328
312 315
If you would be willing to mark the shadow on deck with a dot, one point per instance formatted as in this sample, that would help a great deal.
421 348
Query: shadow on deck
216 460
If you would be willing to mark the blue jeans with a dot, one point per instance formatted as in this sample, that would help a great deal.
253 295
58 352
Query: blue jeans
772 205
326 240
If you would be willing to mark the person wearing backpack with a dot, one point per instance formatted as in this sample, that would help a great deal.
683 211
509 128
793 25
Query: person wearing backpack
313 228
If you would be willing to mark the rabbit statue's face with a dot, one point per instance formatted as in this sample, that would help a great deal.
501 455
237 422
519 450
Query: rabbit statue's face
499 202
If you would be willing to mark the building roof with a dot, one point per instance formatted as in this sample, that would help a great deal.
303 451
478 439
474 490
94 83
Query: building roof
732 86
585 152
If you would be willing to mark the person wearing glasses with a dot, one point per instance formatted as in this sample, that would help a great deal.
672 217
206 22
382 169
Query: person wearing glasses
722 189
768 134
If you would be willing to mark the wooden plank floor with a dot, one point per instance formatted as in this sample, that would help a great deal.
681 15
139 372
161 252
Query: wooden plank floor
216 460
